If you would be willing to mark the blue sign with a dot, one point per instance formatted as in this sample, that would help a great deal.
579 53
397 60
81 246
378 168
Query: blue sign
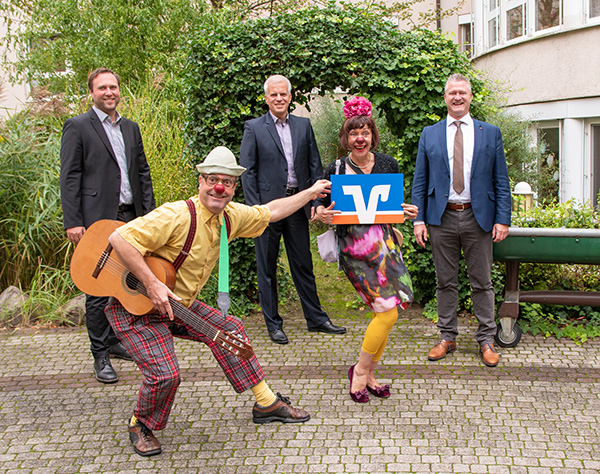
368 198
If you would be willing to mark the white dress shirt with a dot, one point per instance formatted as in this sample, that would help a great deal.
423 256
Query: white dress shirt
285 137
468 130
115 137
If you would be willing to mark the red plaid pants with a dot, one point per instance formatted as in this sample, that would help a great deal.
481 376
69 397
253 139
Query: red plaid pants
149 340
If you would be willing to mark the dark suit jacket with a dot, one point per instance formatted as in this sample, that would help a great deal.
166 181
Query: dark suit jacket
89 174
262 154
490 188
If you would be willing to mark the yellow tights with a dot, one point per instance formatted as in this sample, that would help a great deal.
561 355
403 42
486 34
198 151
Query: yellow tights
378 331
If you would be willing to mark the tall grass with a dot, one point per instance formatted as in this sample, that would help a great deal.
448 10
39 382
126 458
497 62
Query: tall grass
161 119
31 233
34 251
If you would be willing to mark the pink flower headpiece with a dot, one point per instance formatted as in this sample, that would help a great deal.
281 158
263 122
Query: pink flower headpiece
357 106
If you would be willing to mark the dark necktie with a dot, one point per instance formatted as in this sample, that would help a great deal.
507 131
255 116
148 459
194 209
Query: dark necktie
457 165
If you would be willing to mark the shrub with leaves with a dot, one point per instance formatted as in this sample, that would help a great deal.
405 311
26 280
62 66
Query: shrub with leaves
319 50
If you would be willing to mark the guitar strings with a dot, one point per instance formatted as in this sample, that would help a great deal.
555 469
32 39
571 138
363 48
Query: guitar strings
117 268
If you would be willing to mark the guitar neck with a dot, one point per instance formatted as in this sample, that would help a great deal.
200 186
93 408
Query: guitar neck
186 315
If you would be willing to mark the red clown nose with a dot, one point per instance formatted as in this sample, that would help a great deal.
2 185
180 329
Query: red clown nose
219 188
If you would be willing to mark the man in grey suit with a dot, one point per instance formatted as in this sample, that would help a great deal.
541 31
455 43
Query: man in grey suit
281 156
462 190
104 175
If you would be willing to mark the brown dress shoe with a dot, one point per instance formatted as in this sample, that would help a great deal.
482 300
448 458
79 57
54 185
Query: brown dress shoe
489 355
281 410
442 348
143 441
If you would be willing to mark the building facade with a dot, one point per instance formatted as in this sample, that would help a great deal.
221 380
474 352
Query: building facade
545 54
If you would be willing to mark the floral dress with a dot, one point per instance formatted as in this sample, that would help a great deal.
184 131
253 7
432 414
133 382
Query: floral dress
370 254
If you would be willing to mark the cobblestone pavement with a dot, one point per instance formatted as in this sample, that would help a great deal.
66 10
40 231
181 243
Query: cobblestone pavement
537 412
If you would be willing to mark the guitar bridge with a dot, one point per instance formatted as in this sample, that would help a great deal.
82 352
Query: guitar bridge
102 260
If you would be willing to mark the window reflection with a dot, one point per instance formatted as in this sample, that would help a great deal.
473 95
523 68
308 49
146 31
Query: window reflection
515 22
547 14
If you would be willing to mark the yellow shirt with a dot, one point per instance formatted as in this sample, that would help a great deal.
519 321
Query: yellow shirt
163 232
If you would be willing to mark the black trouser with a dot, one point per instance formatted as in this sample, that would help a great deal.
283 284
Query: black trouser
294 230
99 330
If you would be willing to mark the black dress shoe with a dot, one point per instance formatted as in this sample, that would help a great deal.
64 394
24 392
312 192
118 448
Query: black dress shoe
278 336
104 371
118 350
328 328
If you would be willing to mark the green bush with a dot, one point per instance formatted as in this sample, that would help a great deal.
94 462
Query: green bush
321 49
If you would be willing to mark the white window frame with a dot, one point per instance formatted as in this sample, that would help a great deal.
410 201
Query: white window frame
533 23
506 6
589 150
588 12
492 10
466 21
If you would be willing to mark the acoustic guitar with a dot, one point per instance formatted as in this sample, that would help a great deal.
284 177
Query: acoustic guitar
97 270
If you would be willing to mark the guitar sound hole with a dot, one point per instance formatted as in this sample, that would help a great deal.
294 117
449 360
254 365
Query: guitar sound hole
130 283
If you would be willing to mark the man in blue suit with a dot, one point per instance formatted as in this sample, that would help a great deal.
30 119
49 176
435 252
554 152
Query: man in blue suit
462 190
280 154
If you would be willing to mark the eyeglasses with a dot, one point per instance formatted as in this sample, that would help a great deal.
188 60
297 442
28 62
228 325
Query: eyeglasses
212 180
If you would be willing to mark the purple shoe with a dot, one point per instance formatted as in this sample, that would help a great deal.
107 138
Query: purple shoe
381 392
362 396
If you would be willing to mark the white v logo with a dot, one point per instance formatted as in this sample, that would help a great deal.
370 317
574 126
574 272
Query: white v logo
367 214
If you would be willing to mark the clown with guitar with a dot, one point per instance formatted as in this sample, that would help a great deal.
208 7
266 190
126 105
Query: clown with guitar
149 337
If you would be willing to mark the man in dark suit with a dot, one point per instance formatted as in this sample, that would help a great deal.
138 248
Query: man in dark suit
104 175
462 191
281 157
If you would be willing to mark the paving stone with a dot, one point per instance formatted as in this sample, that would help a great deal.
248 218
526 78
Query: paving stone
536 413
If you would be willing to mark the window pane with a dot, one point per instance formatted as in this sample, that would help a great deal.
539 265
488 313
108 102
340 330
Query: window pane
493 4
466 40
549 171
594 8
493 32
514 22
547 14
596 162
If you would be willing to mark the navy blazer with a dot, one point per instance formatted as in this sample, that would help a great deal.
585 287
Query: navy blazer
261 153
90 178
490 187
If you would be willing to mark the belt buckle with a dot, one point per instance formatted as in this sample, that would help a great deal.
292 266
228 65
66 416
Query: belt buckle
460 207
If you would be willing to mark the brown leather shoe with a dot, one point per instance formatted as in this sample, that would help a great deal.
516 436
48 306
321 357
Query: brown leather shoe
489 355
281 410
143 441
443 347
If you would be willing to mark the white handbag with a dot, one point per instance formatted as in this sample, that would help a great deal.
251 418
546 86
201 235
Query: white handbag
327 244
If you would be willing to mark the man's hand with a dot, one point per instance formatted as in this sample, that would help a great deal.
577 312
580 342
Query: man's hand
321 188
159 294
410 211
499 232
325 214
420 232
74 234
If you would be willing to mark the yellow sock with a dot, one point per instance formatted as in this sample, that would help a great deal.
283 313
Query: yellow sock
133 420
263 394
